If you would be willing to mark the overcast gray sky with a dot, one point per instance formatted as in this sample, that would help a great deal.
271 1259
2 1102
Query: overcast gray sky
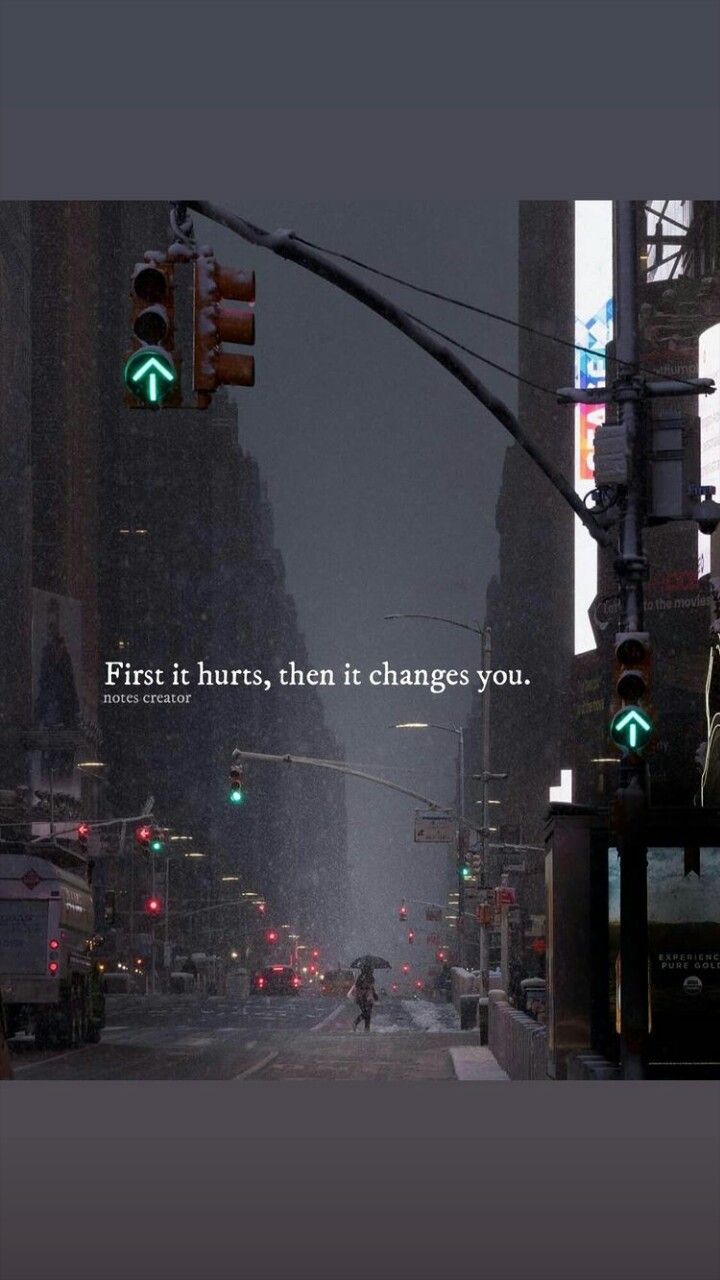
383 474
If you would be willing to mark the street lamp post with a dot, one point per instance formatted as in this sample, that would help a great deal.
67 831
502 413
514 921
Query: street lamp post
460 812
485 636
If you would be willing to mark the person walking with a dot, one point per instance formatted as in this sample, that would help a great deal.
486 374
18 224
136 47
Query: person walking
365 995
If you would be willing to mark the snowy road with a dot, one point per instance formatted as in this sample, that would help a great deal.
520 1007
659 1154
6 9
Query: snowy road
282 1037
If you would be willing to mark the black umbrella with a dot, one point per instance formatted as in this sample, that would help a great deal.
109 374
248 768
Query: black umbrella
370 962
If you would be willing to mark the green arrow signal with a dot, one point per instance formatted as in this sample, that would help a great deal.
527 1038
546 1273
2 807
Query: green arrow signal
150 374
631 728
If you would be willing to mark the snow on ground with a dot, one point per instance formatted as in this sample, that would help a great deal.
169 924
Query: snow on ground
431 1017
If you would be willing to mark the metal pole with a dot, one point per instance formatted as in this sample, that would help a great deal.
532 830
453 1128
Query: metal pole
131 922
166 929
154 963
631 568
484 940
461 836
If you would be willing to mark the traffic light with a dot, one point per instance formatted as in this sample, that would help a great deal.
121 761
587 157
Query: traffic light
153 907
271 936
403 913
261 908
82 832
632 725
411 935
236 794
216 321
406 968
151 375
150 837
466 871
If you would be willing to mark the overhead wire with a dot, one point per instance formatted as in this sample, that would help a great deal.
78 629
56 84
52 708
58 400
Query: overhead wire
477 310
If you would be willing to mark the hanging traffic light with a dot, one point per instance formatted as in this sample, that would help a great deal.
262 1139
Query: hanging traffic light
143 834
632 725
411 935
271 936
157 841
405 968
403 912
151 376
153 907
236 794
217 321
82 831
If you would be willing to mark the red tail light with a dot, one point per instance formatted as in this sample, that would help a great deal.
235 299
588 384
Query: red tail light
296 982
260 982
53 966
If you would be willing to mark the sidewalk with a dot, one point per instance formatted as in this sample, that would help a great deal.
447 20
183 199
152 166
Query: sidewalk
475 1062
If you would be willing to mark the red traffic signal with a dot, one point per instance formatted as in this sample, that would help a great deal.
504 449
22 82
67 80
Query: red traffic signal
216 322
411 935
315 954
153 906
403 913
261 908
406 968
271 935
143 834
83 831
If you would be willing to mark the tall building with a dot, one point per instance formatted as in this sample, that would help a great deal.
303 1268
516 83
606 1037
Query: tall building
145 538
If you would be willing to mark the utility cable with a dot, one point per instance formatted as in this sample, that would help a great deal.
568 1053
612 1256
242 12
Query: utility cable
481 311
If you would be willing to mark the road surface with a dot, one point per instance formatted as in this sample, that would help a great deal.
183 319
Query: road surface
261 1038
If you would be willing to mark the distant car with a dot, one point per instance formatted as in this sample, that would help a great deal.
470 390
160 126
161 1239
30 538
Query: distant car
337 982
277 980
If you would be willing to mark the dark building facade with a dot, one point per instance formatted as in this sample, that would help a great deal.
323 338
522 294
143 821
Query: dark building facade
147 538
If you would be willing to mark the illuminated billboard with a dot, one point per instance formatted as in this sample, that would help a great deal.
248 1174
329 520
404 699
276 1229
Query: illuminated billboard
709 367
593 331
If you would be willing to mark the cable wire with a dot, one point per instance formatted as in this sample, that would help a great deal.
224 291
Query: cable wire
440 333
481 311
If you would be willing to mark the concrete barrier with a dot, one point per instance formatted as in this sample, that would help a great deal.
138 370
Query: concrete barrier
517 1042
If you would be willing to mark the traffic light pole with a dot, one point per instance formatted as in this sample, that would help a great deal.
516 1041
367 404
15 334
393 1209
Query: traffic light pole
291 247
631 569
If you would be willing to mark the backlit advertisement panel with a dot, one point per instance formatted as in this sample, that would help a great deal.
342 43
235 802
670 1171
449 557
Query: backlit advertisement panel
593 331
709 406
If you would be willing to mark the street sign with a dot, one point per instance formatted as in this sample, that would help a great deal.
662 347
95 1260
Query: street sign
150 374
435 827
631 728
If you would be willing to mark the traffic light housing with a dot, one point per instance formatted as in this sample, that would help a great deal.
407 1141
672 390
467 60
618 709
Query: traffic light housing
217 321
411 936
632 724
150 838
151 367
403 912
82 831
236 794
271 936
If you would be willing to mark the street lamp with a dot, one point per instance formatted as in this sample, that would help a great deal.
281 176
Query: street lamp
460 801
485 636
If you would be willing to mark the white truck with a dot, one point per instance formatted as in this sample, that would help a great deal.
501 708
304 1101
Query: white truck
48 977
